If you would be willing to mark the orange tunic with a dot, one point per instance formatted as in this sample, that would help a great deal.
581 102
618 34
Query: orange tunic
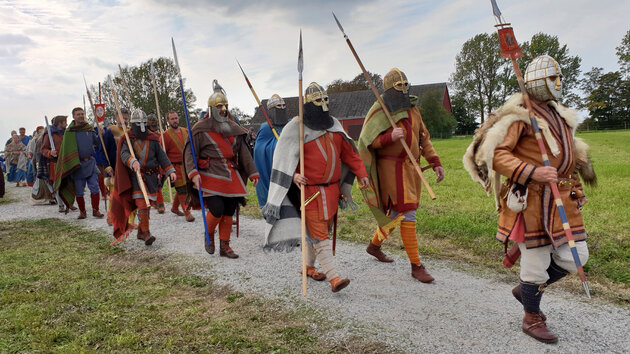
399 183
322 161
174 143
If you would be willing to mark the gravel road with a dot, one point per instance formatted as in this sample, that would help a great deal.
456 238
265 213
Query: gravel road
459 312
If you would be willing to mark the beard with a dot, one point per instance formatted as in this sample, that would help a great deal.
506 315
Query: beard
395 100
316 118
174 125
278 116
138 133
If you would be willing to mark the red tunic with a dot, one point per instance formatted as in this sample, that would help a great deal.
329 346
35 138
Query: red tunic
322 160
174 142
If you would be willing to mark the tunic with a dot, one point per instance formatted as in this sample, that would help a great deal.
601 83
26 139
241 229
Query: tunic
174 142
263 158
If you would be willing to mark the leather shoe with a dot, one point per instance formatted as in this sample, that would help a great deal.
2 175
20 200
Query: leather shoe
313 273
535 326
338 283
97 214
82 215
189 217
226 251
375 251
420 272
177 212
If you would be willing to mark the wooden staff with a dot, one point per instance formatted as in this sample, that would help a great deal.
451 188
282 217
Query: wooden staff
125 87
302 189
143 188
386 111
157 107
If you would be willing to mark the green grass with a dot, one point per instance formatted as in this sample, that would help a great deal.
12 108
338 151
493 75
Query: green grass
461 223
63 289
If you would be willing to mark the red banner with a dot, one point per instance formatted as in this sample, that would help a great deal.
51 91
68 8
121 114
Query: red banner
509 46
99 109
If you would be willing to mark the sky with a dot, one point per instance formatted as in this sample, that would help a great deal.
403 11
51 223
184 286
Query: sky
47 45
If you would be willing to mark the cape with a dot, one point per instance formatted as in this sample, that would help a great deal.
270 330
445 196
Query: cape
263 158
480 153
375 123
68 161
282 218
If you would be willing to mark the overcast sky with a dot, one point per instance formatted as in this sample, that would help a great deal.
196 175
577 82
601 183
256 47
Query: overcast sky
46 45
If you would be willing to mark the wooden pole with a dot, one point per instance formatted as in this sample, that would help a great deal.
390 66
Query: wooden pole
157 107
302 189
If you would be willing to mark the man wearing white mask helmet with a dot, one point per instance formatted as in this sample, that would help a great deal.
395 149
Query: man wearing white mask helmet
506 145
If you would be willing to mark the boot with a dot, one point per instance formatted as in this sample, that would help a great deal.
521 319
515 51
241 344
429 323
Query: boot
420 272
160 208
313 273
62 208
96 199
338 283
209 246
143 231
225 250
534 325
516 292
175 206
72 207
81 203
190 217
375 251
212 222
146 237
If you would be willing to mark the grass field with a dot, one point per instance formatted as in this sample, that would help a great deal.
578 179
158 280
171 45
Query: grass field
63 289
461 222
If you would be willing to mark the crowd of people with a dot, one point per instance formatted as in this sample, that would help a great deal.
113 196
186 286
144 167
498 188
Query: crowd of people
127 164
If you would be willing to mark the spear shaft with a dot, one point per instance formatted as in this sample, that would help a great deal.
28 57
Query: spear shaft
511 50
125 87
260 105
98 128
302 189
386 111
157 107
192 146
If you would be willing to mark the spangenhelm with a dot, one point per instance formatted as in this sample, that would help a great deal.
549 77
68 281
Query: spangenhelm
316 94
276 101
138 117
217 102
543 79
396 79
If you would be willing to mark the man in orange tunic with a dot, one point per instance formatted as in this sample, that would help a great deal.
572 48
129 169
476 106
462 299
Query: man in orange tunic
175 139
392 174
225 165
327 151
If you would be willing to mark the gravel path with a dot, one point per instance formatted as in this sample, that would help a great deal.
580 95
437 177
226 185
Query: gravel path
458 312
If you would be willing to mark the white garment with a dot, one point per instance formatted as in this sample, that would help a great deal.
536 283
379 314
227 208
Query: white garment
535 261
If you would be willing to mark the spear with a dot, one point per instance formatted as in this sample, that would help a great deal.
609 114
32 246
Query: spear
260 105
511 50
157 107
385 110
143 188
300 68
192 147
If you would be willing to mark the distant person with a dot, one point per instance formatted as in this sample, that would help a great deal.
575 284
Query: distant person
391 172
175 139
527 212
50 155
12 153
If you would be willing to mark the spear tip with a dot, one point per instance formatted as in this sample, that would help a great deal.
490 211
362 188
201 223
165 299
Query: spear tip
338 23
300 55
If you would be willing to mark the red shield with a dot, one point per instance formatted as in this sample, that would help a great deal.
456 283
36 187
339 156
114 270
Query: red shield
99 110
509 46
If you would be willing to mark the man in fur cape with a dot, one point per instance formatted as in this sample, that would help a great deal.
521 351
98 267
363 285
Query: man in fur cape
225 165
76 165
394 179
127 196
330 160
506 145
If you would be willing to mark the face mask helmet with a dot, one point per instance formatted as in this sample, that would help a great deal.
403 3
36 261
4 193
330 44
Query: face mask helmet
218 103
543 79
396 91
277 109
317 95
397 80
140 118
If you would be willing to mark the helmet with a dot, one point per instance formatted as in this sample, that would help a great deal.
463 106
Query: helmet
138 117
152 122
396 79
217 102
543 79
316 94
276 100
277 110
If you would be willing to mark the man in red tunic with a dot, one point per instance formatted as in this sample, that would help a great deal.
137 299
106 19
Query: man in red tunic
328 155
224 164
175 139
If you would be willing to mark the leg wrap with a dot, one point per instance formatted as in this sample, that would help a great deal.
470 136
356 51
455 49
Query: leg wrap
410 241
225 227
310 254
323 252
81 204
376 240
95 199
531 294
555 273
212 222
143 218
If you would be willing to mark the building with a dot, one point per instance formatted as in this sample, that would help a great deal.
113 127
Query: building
351 107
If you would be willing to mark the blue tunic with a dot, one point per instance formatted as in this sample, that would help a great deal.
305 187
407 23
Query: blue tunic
263 158
86 141
110 146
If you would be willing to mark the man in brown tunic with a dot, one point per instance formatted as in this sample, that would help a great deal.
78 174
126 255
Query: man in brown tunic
506 144
397 180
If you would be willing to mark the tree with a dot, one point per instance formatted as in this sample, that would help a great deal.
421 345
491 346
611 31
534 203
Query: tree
477 76
437 119
605 103
242 117
466 123
541 44
623 52
141 91
358 83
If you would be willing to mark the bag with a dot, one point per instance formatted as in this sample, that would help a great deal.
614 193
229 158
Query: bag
517 198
